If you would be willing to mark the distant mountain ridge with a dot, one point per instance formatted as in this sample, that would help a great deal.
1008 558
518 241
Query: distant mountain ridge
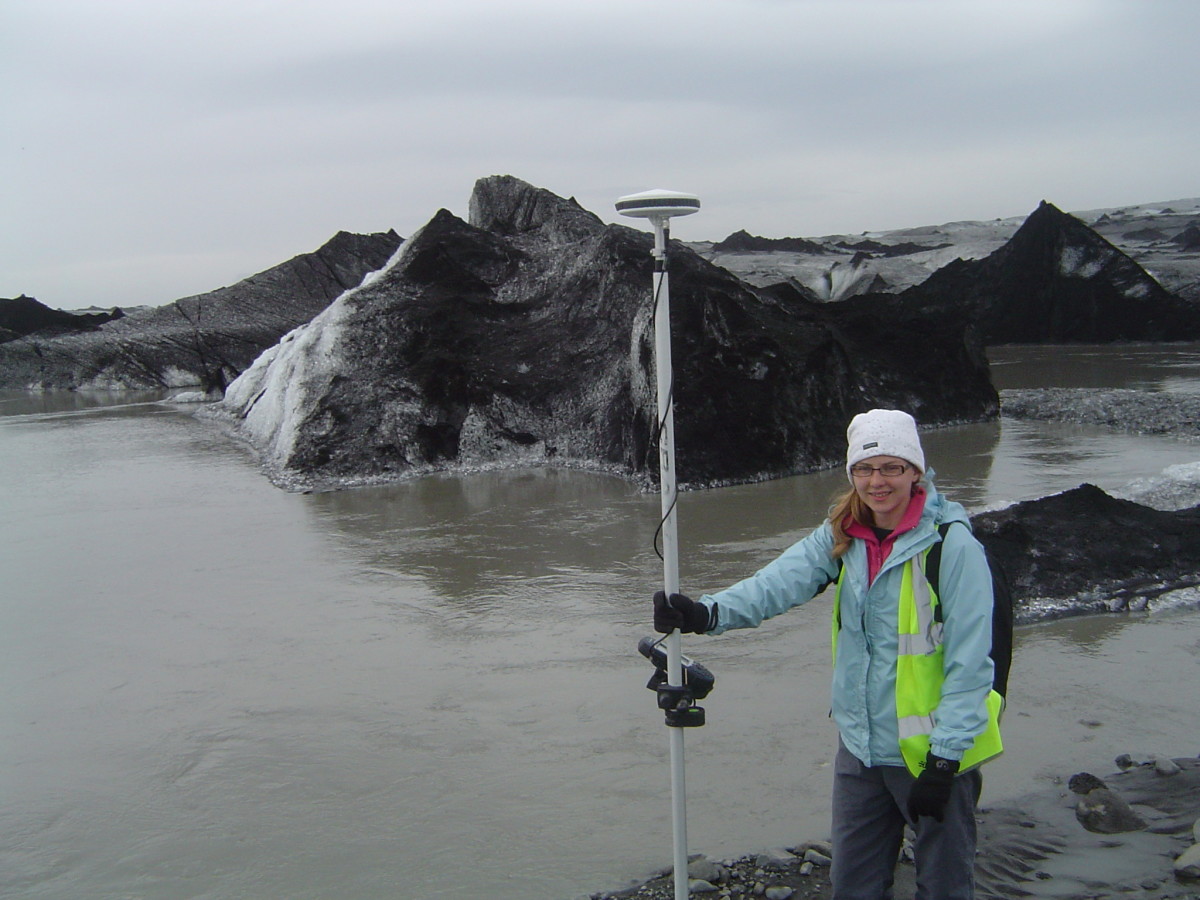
1162 238
1058 281
21 316
207 339
743 240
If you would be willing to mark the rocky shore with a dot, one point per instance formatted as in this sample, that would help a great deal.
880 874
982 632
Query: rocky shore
1140 412
1134 834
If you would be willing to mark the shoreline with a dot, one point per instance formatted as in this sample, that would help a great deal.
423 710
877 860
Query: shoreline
1033 846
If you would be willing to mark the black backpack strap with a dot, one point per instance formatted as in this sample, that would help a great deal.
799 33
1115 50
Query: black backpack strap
933 568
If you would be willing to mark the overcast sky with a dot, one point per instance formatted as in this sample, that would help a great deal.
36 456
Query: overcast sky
153 149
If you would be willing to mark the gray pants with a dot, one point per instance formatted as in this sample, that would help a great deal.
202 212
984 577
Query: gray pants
869 815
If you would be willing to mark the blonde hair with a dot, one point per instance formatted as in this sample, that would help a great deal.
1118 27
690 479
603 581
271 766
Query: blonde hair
847 506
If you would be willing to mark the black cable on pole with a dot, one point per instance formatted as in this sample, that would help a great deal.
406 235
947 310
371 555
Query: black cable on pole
660 264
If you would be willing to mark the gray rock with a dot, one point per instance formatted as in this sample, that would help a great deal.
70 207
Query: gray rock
1129 760
777 858
816 858
1084 783
1163 765
779 892
700 886
1187 866
1104 812
825 848
704 869
1167 767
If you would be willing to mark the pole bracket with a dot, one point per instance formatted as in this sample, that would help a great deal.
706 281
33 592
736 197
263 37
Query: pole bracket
677 701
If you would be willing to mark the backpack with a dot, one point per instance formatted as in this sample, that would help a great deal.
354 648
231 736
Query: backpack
1002 608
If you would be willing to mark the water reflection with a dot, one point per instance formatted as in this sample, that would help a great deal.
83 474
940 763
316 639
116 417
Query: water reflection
962 458
25 403
1143 367
496 536
1086 635
519 535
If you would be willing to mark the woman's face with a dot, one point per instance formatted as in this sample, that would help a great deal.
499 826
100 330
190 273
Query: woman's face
886 496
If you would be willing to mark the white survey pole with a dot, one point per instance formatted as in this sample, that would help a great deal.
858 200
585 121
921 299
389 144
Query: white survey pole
659 206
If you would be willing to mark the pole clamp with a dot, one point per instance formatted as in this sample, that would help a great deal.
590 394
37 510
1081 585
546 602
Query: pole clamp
677 701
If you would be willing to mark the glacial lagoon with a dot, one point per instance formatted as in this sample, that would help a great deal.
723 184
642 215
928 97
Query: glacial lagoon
216 689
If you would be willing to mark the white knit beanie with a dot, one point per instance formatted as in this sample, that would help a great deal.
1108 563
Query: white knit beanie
883 432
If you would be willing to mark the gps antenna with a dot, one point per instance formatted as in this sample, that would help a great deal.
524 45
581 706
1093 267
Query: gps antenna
659 207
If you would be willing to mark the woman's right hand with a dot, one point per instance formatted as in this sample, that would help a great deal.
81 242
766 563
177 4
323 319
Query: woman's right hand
679 611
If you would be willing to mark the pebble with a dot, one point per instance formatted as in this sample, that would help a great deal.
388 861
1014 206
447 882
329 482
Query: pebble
1187 866
1105 812
701 868
817 859
822 847
1084 783
776 857
1165 766
1129 760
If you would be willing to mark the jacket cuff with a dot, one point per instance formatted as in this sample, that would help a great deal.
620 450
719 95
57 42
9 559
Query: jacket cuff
939 748
714 616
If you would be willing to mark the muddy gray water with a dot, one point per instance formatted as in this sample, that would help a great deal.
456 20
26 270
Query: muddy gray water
215 689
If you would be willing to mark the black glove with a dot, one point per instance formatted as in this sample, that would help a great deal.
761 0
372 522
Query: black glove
931 791
680 612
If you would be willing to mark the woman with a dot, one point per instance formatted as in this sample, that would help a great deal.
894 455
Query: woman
912 677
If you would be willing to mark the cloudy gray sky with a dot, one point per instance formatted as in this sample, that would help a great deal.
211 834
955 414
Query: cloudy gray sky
151 150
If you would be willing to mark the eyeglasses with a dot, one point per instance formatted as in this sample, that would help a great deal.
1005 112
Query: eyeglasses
887 470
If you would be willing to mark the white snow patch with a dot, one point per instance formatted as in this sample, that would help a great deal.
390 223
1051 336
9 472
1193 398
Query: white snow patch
174 377
841 280
191 397
270 395
372 277
1176 487
1184 598
1075 262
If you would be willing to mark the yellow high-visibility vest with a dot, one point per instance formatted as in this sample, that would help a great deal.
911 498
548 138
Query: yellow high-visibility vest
920 672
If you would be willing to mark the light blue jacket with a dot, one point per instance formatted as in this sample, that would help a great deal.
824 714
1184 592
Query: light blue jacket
864 677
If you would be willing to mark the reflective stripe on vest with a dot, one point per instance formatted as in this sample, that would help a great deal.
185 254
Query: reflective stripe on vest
920 672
